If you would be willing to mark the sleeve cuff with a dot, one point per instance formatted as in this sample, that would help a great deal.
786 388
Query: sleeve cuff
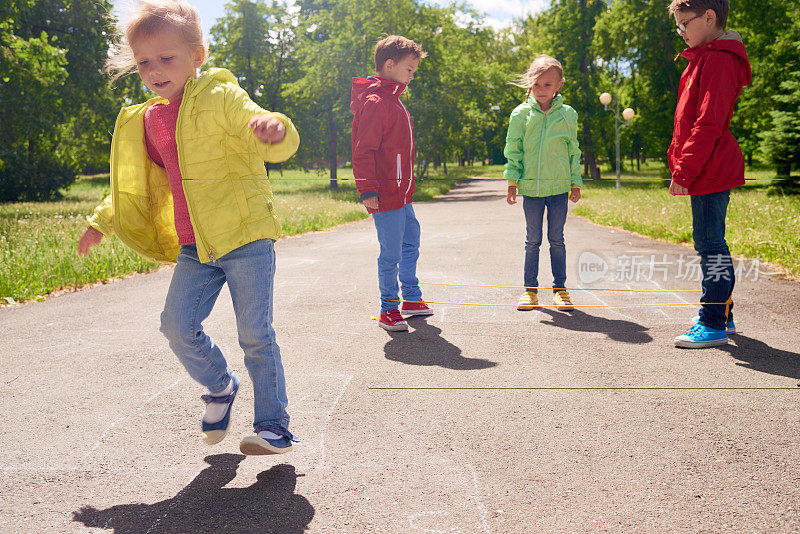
369 194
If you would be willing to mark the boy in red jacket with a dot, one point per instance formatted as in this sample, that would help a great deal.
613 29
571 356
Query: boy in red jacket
383 166
704 158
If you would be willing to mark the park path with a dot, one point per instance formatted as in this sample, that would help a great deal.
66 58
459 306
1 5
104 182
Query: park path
524 422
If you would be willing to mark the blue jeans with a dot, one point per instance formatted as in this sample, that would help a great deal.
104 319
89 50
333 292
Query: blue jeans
249 271
398 236
534 208
708 232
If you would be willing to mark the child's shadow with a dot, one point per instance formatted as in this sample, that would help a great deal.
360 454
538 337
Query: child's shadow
269 505
424 345
616 329
759 356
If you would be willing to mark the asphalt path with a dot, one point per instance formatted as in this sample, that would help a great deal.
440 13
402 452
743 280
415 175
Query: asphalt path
480 419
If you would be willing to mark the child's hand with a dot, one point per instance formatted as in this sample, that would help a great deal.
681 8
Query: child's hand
677 189
90 238
511 198
575 194
268 129
371 203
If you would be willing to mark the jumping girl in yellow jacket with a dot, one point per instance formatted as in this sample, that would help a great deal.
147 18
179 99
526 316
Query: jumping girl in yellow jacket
188 185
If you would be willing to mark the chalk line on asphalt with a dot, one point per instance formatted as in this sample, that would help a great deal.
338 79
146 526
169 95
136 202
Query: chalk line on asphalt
467 475
124 418
328 417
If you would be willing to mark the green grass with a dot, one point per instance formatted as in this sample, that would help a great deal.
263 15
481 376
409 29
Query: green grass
39 240
759 225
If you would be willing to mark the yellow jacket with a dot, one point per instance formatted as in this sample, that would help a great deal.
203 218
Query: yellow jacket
222 164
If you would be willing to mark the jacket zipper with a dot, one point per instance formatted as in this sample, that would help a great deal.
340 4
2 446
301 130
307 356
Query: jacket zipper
399 170
410 150
192 218
541 147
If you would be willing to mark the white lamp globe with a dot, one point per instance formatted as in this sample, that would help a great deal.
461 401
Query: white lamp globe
605 99
628 114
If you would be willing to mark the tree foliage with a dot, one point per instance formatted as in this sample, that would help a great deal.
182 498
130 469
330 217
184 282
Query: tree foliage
299 58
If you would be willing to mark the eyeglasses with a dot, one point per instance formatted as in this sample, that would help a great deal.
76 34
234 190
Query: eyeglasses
682 26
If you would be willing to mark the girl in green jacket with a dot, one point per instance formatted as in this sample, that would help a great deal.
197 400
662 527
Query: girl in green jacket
188 185
544 166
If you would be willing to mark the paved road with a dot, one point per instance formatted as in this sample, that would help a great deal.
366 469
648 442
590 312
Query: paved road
98 422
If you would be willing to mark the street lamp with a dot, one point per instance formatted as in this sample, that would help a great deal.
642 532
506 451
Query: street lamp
627 115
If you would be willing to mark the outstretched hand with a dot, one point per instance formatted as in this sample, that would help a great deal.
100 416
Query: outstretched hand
90 238
267 128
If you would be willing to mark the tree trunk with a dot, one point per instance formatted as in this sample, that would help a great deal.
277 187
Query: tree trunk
590 160
332 149
444 166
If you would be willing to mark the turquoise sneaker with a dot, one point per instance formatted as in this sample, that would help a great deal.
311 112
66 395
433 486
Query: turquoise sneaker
700 336
730 328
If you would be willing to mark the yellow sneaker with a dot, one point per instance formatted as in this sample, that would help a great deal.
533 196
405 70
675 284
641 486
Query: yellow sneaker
562 302
528 301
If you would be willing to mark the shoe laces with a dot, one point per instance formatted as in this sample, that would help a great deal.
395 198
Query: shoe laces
563 294
394 315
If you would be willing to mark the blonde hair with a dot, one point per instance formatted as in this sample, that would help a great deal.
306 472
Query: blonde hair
539 66
145 19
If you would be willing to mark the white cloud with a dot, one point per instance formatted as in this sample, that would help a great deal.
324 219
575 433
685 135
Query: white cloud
499 12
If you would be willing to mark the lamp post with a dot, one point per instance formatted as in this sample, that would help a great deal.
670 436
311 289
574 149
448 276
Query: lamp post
627 115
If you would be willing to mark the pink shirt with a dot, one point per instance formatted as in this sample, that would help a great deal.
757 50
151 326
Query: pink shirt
160 121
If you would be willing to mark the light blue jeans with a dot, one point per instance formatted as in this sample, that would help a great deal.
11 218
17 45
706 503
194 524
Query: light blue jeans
398 236
249 271
534 208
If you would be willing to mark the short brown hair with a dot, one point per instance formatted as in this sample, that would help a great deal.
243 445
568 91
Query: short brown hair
396 47
698 7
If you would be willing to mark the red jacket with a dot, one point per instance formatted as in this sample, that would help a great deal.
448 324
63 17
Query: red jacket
383 143
704 156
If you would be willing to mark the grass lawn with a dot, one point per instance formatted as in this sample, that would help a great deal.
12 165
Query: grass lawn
39 240
759 225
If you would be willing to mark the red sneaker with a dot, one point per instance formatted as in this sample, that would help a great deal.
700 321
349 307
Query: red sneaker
416 307
392 321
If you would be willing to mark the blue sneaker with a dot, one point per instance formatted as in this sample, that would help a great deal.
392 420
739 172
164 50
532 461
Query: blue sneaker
700 336
213 433
730 328
269 439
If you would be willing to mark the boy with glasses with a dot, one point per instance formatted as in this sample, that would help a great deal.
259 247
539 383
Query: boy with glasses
705 160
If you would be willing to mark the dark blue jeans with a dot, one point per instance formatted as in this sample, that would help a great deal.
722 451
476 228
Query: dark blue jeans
534 208
708 232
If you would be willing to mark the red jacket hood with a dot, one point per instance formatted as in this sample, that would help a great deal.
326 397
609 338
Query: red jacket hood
730 42
363 87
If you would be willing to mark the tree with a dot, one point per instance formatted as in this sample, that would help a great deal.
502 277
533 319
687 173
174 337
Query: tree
640 39
566 31
782 142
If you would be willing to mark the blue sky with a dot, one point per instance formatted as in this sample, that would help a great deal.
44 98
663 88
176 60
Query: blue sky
497 12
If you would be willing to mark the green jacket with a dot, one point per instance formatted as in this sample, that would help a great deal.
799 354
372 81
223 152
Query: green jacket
222 165
542 149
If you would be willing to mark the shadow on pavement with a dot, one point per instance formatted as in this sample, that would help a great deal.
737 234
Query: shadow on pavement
616 329
424 345
269 505
758 356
